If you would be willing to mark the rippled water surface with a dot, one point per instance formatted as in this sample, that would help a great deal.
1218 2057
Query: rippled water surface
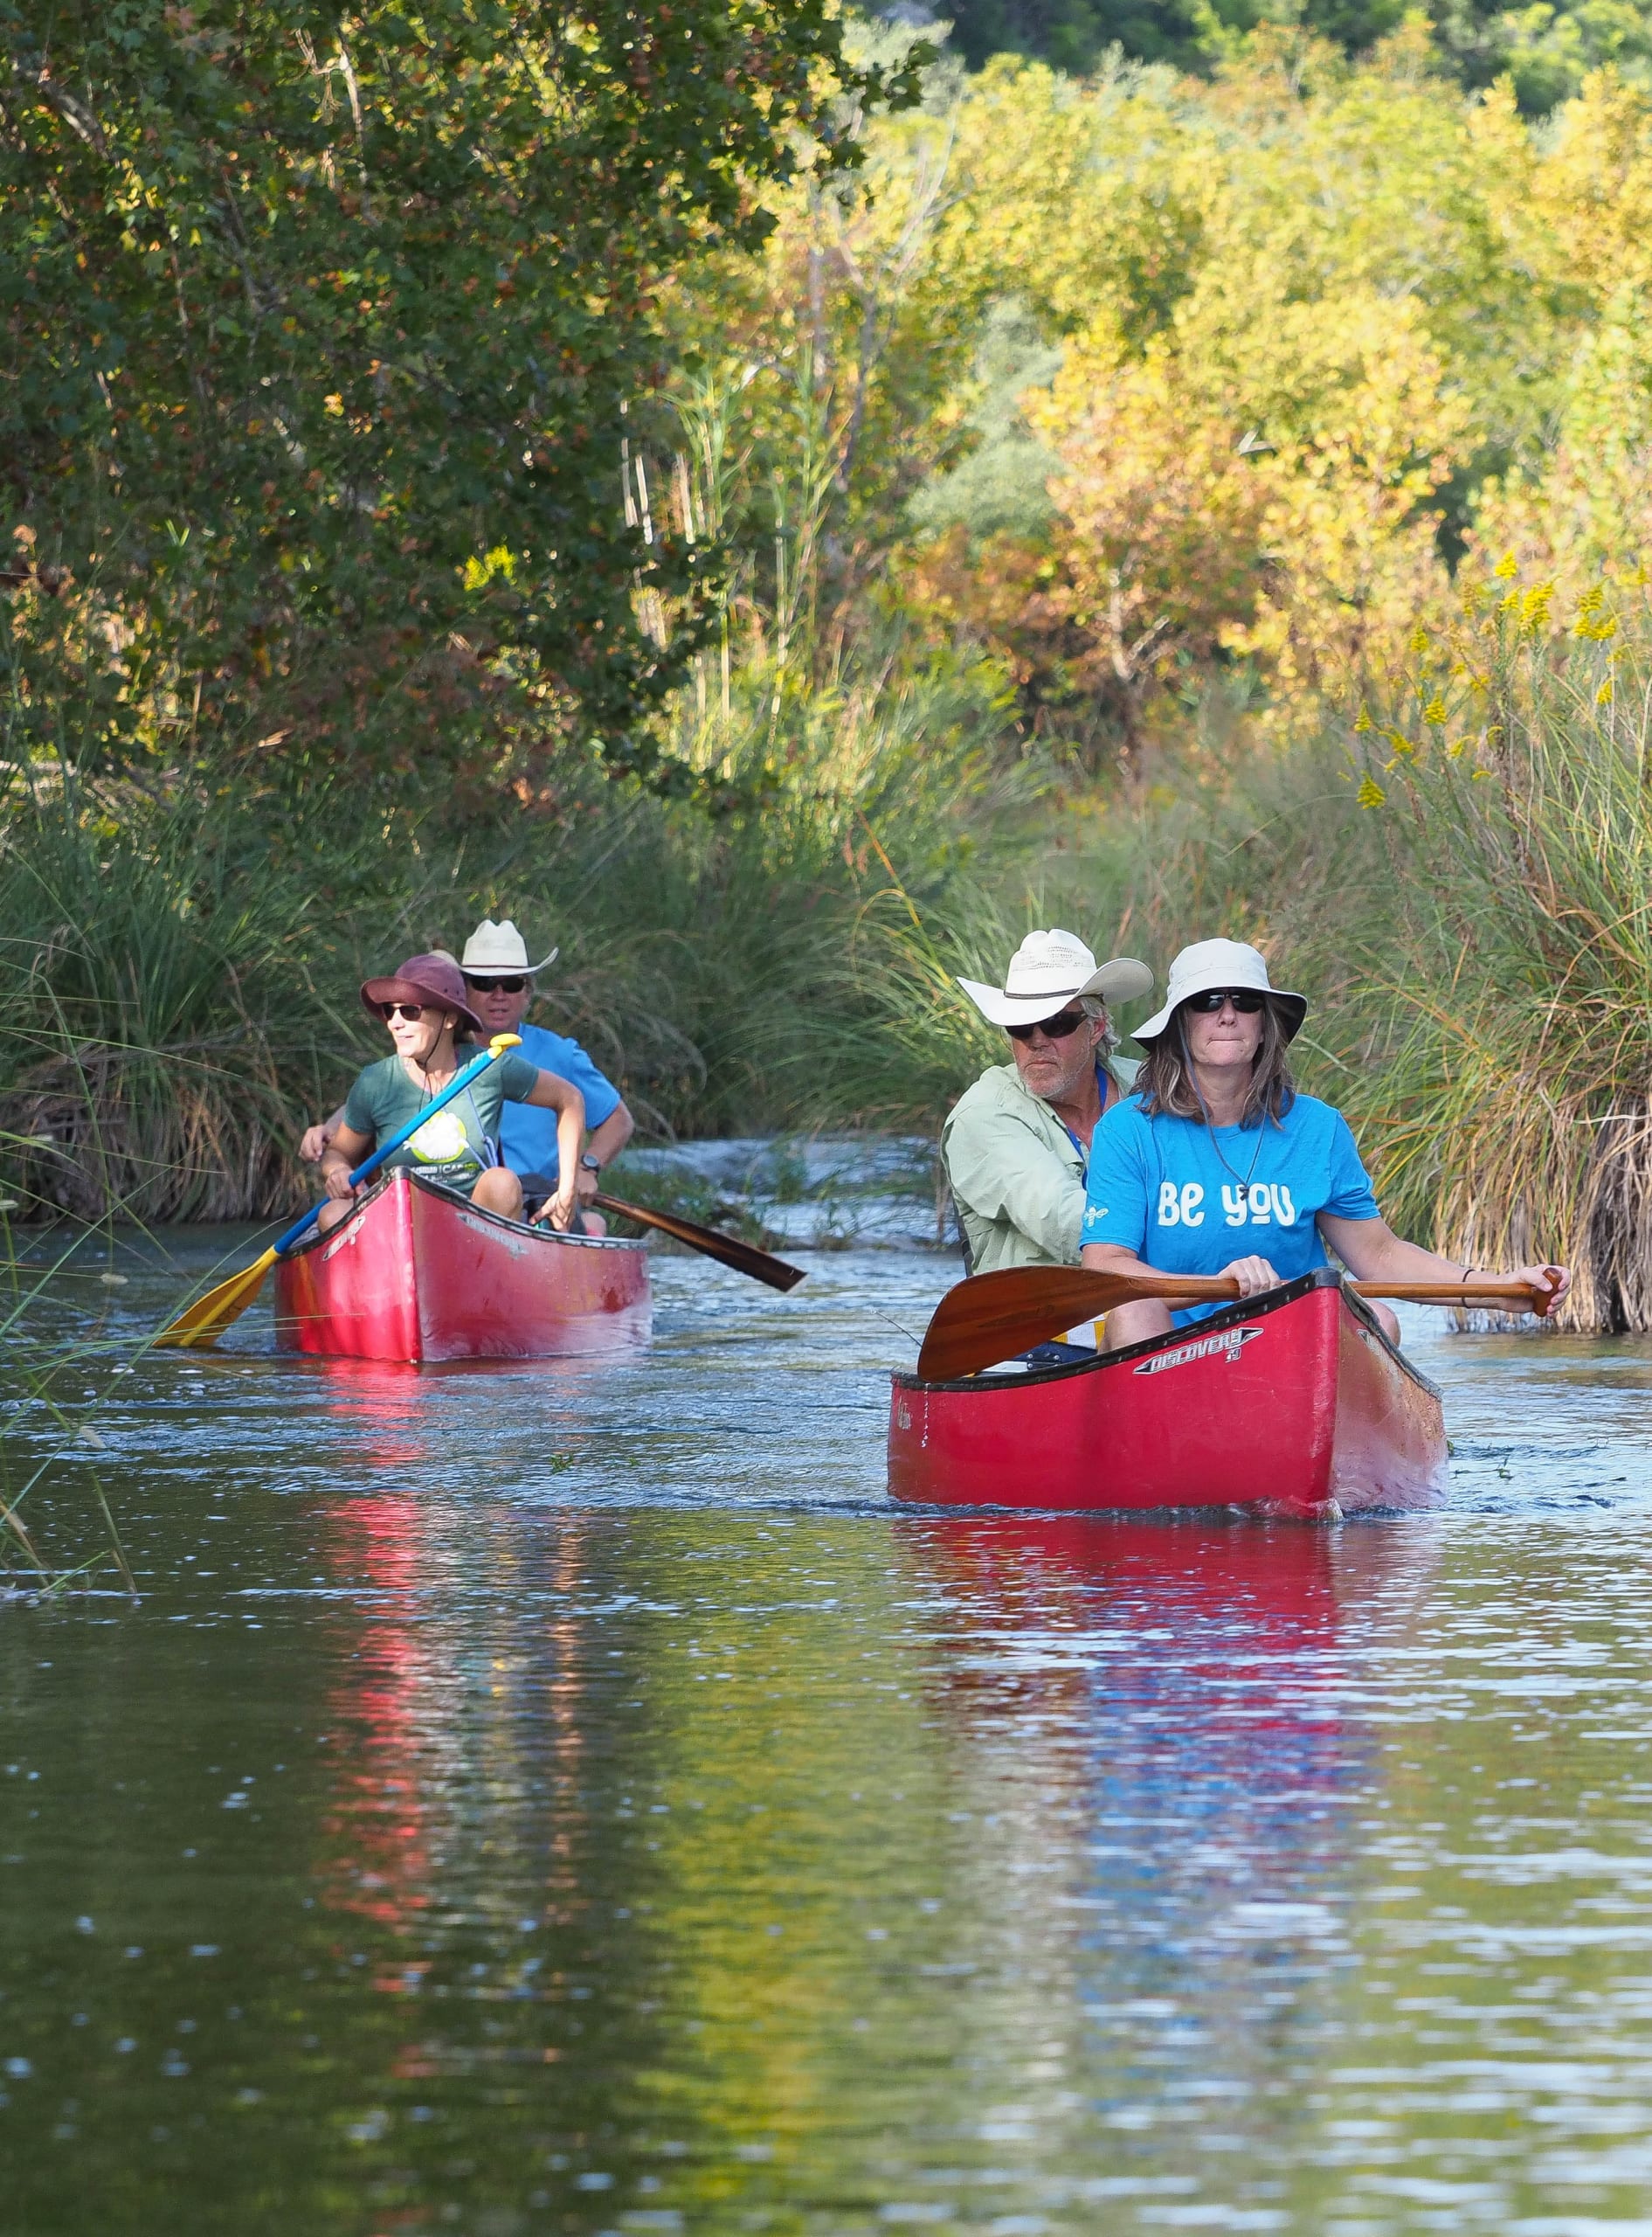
571 1798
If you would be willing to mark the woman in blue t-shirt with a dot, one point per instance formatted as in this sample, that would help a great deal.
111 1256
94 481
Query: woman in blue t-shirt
1217 1166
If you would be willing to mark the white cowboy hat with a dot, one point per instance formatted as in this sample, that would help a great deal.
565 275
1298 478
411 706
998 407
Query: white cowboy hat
1048 970
494 947
1210 964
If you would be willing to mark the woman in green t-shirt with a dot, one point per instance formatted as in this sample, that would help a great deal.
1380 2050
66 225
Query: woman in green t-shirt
423 1006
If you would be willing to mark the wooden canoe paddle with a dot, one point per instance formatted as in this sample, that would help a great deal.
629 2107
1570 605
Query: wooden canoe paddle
992 1317
744 1258
204 1322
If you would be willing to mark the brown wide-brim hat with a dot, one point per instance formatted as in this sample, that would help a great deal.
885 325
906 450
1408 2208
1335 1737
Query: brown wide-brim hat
433 982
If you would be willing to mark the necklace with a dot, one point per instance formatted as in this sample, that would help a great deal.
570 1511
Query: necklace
1261 1132
1244 1185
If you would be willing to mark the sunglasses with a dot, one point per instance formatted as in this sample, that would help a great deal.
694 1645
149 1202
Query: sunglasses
1052 1028
495 985
409 1013
1242 999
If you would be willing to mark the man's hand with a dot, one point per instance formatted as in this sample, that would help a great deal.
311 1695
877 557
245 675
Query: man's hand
1253 1275
560 1210
335 1179
312 1144
586 1184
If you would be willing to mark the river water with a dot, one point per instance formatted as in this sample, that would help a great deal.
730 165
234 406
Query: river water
571 1798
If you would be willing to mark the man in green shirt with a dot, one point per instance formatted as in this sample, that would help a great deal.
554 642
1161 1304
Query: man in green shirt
1016 1145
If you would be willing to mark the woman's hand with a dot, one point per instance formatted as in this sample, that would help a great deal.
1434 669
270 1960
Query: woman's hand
557 1211
1253 1275
312 1144
335 1179
1556 1280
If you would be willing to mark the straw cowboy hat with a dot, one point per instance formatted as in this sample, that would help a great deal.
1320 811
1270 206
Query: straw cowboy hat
500 947
1212 964
1048 970
432 980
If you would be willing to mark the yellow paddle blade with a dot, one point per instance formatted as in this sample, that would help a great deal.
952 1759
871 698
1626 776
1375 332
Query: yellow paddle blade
204 1321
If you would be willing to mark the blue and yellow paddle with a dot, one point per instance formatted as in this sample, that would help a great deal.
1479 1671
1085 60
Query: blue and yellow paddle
204 1321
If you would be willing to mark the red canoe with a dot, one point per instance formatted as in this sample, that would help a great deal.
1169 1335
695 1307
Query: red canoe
1293 1402
417 1273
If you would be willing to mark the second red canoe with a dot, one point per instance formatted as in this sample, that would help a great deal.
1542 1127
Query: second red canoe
417 1273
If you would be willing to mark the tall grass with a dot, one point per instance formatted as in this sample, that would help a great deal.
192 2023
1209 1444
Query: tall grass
1509 778
177 983
157 1014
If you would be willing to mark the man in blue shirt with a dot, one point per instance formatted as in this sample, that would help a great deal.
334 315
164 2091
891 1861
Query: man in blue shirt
500 981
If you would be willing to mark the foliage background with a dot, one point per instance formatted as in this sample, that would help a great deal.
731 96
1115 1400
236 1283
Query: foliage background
776 511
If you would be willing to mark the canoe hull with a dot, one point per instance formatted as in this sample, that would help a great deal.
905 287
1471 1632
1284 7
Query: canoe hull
1291 1403
418 1273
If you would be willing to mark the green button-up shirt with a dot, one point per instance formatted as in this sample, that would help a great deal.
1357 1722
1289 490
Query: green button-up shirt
1016 1173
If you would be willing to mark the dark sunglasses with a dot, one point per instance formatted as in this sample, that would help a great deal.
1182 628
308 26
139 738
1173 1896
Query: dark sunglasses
495 985
411 1011
1242 999
1052 1028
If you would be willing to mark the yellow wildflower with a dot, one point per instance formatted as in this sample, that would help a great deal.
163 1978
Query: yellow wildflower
1362 720
1371 793
1434 712
1507 566
1603 696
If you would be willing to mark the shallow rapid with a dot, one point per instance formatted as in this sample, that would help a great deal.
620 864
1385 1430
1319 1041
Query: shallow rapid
572 1797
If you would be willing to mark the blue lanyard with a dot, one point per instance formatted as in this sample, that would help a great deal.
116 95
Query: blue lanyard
1103 1081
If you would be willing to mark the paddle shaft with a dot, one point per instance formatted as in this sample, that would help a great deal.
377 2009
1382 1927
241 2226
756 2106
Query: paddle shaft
744 1258
202 1323
1216 1289
369 1165
992 1317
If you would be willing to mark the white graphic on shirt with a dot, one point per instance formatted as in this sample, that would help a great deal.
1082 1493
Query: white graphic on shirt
440 1139
1180 1207
1255 1206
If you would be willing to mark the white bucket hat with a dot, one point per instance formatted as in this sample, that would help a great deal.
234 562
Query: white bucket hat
1048 970
500 947
1210 964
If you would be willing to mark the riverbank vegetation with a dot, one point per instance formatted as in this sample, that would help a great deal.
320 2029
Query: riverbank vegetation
904 504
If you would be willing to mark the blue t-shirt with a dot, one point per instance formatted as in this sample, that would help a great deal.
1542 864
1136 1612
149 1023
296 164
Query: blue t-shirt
526 1134
1158 1187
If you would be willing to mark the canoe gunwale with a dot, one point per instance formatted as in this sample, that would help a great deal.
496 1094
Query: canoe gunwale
1229 1316
316 1238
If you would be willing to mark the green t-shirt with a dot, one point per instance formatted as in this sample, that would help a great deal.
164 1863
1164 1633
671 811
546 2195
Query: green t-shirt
452 1146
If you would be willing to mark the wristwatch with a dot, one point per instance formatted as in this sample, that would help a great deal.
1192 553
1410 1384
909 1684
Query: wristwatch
589 1164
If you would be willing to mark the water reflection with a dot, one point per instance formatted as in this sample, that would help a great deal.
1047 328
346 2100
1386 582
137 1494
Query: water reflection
575 1801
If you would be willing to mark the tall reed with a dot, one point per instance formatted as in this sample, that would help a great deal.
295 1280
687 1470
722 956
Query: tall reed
1508 776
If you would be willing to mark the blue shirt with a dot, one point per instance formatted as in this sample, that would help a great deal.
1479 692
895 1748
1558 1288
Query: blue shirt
526 1134
1159 1188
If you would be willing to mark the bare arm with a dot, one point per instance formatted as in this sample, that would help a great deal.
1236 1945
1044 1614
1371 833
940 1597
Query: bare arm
550 1093
313 1142
1372 1252
1253 1274
341 1157
616 1130
605 1142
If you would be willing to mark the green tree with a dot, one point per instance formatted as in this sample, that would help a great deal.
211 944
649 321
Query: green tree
330 343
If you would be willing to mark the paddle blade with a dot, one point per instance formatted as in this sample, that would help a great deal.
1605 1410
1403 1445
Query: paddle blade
744 1258
204 1321
992 1317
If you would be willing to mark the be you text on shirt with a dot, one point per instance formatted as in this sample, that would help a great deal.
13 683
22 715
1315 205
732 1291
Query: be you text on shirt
1189 1198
